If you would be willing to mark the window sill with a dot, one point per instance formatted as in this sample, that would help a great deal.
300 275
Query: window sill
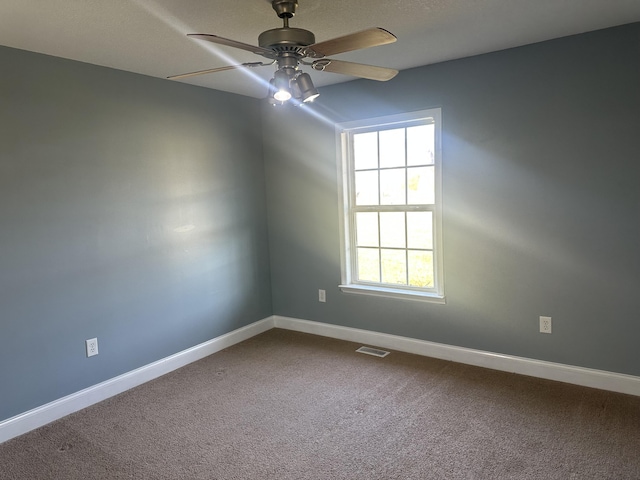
393 293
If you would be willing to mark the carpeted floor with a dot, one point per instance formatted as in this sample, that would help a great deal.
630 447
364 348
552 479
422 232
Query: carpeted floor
286 405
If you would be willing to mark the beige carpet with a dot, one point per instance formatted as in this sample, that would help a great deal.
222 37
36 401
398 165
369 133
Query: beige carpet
286 405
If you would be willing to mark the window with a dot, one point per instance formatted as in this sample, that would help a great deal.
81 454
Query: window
392 206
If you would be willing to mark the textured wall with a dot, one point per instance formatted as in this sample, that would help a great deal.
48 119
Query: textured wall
541 201
132 210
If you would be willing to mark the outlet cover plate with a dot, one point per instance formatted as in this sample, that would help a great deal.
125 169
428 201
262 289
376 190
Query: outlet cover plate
545 324
92 347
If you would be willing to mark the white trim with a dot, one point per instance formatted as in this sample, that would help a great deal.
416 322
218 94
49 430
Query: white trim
343 209
387 120
44 414
393 293
40 416
587 377
348 209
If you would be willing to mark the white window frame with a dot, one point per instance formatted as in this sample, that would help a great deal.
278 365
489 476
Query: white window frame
344 134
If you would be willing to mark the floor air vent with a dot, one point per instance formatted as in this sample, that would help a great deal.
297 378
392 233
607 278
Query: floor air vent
372 351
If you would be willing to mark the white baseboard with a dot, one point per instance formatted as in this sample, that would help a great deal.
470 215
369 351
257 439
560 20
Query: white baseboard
44 414
615 382
40 416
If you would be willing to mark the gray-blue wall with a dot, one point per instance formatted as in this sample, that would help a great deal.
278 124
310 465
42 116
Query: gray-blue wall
132 209
541 153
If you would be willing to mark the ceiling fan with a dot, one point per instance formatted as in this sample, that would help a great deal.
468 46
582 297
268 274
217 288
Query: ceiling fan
289 48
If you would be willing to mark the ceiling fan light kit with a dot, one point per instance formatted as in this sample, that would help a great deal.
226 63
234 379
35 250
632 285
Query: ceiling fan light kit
282 86
308 91
288 48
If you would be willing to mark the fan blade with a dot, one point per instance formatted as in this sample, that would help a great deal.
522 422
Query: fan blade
219 69
355 41
381 74
265 52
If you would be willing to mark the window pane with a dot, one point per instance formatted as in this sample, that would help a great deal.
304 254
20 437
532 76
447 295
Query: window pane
392 148
420 230
392 230
367 229
365 150
367 188
421 183
368 265
390 216
421 145
420 268
392 187
394 266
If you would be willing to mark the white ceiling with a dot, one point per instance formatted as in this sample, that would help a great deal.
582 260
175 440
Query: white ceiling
148 36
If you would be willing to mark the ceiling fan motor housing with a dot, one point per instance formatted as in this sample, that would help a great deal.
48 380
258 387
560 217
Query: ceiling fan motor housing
286 39
289 46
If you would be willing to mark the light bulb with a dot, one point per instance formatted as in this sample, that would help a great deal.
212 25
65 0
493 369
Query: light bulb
281 86
282 95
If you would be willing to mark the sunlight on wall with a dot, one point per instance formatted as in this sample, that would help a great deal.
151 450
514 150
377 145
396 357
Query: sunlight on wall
519 234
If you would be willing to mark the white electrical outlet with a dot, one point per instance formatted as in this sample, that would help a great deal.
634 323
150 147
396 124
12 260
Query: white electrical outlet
322 296
545 324
92 347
